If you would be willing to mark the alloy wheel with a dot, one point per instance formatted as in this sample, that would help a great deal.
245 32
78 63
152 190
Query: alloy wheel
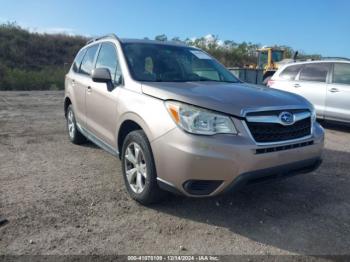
71 126
135 167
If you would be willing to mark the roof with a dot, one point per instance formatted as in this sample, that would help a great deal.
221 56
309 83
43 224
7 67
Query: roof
139 41
147 41
319 61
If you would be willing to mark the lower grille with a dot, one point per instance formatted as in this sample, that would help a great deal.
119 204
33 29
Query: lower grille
282 148
275 132
201 187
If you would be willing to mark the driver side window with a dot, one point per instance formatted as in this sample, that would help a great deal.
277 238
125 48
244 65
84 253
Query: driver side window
107 58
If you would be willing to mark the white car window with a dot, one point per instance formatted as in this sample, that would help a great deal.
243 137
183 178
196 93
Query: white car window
314 72
341 73
290 72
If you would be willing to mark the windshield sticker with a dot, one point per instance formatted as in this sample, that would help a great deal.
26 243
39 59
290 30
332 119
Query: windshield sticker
200 54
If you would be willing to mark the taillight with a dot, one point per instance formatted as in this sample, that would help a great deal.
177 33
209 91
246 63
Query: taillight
270 82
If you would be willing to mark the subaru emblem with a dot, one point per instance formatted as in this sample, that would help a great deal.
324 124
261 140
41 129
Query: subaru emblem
286 118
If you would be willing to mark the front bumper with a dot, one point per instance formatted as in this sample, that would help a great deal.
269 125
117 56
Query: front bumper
278 172
224 162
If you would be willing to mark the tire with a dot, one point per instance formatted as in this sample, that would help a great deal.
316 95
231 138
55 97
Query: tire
140 167
73 133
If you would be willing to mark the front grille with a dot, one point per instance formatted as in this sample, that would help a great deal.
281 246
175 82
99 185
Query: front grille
275 132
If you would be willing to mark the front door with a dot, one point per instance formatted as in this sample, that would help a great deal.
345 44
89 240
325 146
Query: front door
338 94
101 102
312 84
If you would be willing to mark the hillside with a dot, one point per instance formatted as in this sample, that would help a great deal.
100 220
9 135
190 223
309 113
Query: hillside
33 61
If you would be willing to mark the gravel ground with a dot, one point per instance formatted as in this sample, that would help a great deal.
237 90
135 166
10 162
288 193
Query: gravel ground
60 198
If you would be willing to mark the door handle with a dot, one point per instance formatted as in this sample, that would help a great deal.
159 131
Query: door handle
73 82
89 89
334 90
297 85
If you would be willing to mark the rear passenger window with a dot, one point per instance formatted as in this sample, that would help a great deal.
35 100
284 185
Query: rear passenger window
77 60
88 61
290 72
314 72
341 73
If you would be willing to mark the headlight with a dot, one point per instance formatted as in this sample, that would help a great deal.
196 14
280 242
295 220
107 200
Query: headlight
199 121
313 115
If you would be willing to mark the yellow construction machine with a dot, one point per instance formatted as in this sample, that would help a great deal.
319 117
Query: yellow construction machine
269 59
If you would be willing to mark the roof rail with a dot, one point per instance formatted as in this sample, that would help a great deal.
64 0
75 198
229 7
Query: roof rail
102 37
335 58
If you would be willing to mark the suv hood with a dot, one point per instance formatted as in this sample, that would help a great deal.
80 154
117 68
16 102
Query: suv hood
229 98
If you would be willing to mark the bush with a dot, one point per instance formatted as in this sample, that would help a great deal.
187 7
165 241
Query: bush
49 78
32 61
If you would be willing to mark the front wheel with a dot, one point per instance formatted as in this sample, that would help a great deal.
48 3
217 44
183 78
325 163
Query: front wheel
139 170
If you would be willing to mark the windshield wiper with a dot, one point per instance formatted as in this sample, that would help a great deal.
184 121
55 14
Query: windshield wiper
210 80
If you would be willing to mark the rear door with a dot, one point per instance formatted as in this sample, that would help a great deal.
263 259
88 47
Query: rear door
311 83
78 96
338 93
101 102
286 79
81 82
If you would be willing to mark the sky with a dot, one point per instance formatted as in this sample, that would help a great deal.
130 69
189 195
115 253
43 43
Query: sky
312 26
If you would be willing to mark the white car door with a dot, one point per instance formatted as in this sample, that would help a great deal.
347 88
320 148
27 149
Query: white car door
311 83
338 94
285 80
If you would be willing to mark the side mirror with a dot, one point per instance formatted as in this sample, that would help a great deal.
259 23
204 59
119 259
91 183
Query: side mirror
101 75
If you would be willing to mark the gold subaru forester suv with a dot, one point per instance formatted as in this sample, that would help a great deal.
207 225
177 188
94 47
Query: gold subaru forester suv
181 122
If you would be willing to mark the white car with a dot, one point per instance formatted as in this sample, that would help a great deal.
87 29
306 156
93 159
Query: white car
325 83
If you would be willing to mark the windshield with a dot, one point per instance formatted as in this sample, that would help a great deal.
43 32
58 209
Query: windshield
277 55
262 59
166 63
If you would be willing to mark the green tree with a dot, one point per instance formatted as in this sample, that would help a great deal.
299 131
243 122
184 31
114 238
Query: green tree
162 38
